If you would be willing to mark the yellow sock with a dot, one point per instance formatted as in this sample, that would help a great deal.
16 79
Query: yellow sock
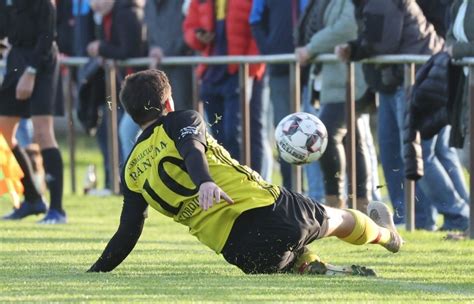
304 260
366 231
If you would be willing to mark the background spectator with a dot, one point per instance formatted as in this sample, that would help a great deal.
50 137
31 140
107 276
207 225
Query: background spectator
437 13
378 35
272 23
219 27
83 26
166 39
459 43
324 25
65 26
122 37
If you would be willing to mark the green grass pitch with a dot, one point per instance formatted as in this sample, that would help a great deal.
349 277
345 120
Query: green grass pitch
48 264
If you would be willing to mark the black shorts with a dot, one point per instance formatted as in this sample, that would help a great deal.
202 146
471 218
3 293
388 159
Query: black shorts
44 100
268 239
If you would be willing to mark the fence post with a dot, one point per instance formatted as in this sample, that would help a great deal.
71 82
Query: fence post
409 184
245 93
295 101
197 104
71 139
112 134
471 151
351 137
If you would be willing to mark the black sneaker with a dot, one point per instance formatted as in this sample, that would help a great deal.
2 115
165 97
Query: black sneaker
26 209
54 217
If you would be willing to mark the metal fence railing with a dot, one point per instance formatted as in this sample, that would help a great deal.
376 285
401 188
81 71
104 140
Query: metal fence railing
409 62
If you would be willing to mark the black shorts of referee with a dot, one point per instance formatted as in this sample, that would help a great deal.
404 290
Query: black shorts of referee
45 99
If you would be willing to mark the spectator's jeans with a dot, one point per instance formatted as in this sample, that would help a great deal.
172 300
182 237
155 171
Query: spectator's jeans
222 107
436 183
313 170
128 132
449 158
390 117
390 120
280 98
439 188
24 134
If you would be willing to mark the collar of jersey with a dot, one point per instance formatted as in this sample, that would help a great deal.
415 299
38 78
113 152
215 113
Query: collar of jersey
149 130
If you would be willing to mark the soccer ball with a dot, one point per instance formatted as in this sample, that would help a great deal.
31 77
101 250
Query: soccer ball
301 138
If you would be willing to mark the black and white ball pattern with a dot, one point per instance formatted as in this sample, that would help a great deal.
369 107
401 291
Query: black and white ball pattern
301 138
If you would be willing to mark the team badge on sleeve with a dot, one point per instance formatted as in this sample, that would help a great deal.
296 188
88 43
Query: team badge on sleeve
186 131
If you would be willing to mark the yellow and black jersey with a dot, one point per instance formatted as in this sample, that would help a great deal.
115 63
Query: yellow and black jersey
155 174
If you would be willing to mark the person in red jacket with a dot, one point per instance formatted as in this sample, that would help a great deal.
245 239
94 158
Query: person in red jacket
219 28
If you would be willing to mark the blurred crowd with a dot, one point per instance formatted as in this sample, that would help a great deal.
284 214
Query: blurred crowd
354 30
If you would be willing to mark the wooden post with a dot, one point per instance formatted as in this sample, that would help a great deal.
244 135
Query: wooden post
471 151
295 100
351 137
197 103
409 184
112 132
245 94
71 139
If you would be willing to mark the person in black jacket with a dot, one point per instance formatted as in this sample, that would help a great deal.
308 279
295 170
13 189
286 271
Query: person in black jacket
400 27
437 13
65 26
122 23
460 41
29 89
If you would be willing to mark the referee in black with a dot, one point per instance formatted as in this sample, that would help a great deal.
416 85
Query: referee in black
29 90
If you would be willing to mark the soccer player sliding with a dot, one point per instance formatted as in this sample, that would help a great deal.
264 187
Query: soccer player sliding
182 172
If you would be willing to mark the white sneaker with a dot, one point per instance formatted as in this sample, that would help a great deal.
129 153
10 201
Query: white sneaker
382 216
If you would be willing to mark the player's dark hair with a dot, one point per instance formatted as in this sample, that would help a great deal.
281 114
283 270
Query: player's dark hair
143 95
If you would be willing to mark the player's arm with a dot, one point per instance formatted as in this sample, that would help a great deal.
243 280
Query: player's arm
124 240
189 134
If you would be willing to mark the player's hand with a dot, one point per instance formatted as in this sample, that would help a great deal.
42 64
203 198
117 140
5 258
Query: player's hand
210 192
343 52
302 55
25 86
156 54
93 48
204 36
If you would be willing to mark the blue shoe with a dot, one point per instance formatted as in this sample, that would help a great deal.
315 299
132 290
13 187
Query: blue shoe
27 209
54 217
